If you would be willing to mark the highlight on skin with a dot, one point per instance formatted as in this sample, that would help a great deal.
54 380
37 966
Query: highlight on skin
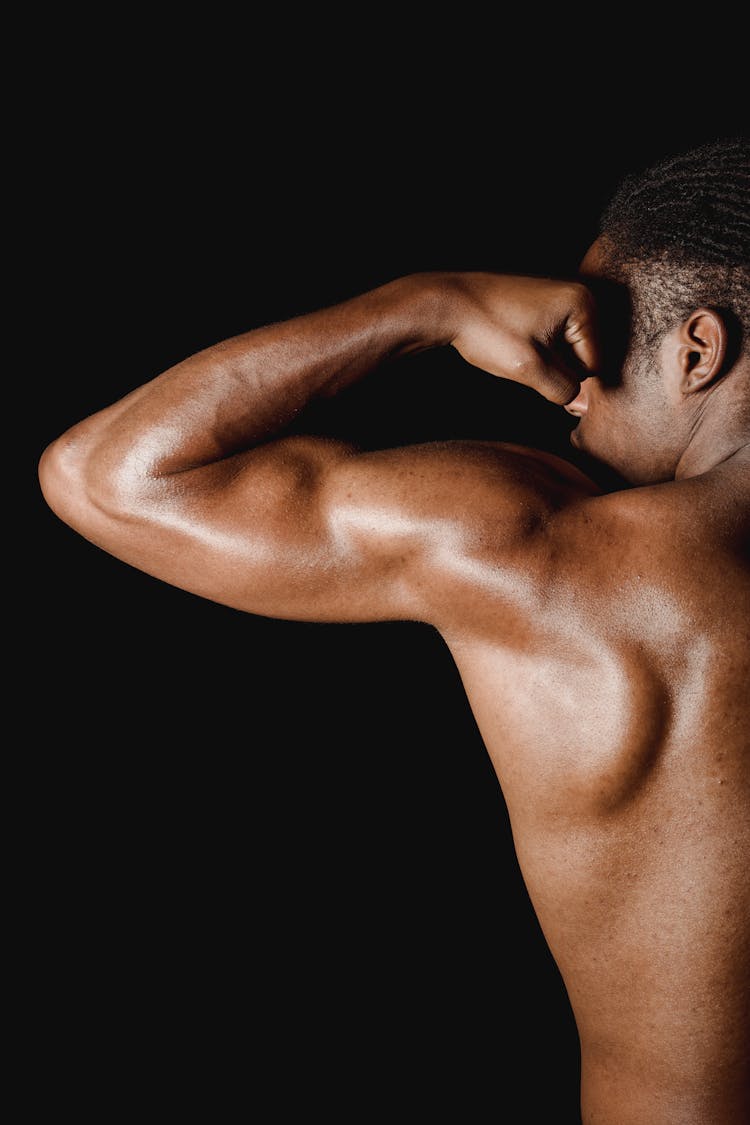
599 631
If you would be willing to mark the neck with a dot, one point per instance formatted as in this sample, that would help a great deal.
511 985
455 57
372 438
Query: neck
719 433
709 449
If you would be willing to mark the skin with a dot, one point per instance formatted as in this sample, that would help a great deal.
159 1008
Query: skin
602 637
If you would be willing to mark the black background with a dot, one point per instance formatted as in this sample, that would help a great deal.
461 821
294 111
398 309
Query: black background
271 860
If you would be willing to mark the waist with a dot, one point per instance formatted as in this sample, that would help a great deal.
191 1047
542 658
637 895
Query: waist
614 1092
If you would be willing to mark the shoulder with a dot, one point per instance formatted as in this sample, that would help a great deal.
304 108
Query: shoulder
648 555
471 516
466 487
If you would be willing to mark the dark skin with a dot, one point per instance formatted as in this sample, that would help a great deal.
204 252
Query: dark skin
602 638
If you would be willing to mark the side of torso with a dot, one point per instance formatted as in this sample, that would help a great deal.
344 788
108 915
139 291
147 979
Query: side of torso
614 710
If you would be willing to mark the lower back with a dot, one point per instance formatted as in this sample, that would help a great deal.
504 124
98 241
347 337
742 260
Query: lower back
648 917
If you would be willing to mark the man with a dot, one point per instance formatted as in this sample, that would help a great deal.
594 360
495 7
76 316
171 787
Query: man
602 636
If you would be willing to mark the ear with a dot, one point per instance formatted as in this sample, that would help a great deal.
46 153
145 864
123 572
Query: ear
703 340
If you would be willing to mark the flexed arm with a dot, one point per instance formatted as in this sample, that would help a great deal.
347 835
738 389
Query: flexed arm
181 478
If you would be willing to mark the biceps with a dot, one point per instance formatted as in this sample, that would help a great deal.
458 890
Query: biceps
265 532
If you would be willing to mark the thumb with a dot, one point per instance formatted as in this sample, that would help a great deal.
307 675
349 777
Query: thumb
555 379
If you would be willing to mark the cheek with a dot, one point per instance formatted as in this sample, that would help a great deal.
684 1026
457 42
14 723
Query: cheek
612 427
609 410
633 403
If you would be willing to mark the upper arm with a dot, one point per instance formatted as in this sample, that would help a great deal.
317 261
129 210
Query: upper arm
309 529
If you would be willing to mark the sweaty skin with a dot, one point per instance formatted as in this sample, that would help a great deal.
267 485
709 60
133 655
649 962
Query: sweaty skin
602 638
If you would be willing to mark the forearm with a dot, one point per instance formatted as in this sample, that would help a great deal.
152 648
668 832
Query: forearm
247 389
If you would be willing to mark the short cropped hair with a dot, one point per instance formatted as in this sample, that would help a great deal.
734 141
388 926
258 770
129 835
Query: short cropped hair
678 234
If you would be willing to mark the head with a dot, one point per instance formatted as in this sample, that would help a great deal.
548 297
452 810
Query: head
672 260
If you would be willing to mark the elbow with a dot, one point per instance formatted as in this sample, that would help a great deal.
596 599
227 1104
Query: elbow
64 474
77 483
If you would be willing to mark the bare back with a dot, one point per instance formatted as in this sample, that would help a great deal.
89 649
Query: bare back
613 717
602 639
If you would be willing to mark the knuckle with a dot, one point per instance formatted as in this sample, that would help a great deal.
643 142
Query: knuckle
579 291
578 298
584 300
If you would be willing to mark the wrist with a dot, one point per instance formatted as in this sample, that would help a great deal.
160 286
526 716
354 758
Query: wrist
425 307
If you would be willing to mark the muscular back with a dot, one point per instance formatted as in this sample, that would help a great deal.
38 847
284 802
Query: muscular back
602 639
613 714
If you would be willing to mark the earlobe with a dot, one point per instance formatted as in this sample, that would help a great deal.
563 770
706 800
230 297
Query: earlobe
703 350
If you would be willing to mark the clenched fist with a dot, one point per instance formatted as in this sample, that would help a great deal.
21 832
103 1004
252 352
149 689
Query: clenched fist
536 331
